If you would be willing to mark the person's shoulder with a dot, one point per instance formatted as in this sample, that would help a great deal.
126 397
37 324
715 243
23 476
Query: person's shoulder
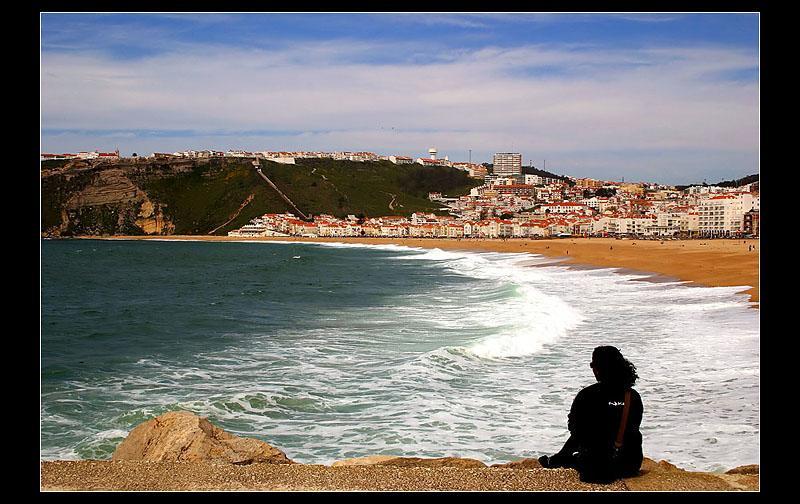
590 389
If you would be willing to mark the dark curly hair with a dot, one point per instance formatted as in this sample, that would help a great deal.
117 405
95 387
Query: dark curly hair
612 368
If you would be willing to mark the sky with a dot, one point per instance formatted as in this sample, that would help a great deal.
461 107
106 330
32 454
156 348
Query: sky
671 98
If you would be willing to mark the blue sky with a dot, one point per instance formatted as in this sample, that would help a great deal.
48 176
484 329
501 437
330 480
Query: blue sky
670 98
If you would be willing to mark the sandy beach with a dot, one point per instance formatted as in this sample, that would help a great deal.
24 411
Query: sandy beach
714 263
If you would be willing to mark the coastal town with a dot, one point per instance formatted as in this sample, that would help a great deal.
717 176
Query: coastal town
512 204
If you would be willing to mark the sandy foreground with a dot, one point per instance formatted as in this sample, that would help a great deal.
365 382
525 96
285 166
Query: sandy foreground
199 476
96 475
714 263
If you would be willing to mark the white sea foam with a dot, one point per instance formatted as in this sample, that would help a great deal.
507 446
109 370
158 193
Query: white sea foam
523 323
111 434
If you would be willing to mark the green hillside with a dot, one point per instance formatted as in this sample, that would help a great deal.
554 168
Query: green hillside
725 183
200 195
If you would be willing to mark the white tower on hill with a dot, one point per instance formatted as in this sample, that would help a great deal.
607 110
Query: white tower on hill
432 152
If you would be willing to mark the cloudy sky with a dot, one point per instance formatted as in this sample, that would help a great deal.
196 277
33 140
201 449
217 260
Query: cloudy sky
670 98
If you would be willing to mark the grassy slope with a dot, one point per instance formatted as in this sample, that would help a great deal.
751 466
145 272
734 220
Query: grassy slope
206 197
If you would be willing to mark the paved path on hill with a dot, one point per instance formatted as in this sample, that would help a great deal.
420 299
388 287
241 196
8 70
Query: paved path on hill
285 198
235 214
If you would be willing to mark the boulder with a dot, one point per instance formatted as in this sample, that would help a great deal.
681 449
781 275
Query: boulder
663 476
745 469
183 436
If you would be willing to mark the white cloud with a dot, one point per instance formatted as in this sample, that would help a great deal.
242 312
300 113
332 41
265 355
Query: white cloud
536 98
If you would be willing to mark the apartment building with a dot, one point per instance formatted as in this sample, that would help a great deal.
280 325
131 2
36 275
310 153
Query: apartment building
723 215
563 207
507 163
751 222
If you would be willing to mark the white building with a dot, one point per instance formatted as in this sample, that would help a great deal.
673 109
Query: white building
430 162
563 207
724 215
503 181
507 163
539 180
401 159
596 203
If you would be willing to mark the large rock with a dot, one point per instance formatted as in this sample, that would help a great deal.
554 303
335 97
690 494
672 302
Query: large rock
183 436
663 476
385 460
746 469
364 461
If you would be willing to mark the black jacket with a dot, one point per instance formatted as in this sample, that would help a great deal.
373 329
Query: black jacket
594 420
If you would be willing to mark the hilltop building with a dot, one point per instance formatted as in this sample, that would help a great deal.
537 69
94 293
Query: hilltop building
401 159
507 163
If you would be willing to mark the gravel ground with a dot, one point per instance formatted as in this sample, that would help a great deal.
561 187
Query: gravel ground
204 476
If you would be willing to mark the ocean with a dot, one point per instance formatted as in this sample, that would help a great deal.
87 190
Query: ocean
333 351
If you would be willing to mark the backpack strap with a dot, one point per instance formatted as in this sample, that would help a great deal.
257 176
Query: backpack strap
624 421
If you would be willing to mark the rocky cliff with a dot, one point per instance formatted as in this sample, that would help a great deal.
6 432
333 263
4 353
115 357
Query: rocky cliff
100 198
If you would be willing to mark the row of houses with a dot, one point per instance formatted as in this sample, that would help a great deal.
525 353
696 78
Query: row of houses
285 157
81 155
524 225
289 157
722 212
511 211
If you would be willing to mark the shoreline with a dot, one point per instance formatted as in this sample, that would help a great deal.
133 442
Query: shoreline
712 263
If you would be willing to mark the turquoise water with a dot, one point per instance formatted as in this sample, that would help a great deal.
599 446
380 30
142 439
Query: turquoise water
336 351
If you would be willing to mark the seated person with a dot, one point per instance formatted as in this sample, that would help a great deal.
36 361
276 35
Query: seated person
600 447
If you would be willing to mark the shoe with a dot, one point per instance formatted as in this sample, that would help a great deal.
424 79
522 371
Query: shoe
544 460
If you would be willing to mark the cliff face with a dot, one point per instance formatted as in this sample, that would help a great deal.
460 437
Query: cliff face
82 199
214 196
